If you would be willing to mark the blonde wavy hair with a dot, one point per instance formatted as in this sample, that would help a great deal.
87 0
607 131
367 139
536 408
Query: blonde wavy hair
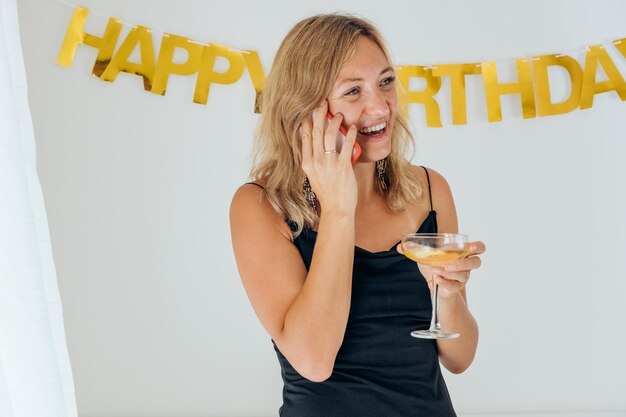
302 75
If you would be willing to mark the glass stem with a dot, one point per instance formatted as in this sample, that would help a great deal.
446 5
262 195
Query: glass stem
434 321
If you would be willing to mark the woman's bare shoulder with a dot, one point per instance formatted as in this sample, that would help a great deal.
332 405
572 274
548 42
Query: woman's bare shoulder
434 177
251 208
443 201
431 179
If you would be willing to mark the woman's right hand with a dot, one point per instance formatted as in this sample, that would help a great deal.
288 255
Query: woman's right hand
331 175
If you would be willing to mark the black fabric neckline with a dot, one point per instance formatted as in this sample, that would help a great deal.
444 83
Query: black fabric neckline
358 248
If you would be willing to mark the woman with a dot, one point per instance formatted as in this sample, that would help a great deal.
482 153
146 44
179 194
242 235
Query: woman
316 237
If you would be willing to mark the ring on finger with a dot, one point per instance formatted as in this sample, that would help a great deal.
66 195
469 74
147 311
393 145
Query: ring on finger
330 151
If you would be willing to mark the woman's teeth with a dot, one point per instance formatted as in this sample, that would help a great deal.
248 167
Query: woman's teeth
372 130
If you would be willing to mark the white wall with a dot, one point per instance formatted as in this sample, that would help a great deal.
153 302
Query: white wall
137 188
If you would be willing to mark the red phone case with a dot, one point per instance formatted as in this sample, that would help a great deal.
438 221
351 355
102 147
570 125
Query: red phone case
356 151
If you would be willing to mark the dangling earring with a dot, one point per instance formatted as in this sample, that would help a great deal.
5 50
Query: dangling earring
381 168
308 193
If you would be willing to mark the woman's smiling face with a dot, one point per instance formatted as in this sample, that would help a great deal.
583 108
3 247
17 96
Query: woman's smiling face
365 93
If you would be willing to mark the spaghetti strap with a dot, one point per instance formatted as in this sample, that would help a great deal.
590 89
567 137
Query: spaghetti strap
430 196
254 183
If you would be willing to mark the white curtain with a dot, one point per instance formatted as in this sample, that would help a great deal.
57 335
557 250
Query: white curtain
35 374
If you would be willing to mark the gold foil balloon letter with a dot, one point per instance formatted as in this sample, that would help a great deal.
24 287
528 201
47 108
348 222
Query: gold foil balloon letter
545 106
598 55
457 73
76 35
495 89
253 63
426 96
166 65
139 35
208 75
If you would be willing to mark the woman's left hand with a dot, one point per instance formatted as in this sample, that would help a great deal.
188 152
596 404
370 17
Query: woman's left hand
453 278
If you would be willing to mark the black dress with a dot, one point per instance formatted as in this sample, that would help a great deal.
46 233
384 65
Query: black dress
380 369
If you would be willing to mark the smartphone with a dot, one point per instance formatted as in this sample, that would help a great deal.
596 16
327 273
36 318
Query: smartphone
341 137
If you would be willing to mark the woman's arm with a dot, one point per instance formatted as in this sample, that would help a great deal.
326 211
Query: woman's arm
305 313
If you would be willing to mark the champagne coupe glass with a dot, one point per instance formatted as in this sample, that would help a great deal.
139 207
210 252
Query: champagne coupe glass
435 250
